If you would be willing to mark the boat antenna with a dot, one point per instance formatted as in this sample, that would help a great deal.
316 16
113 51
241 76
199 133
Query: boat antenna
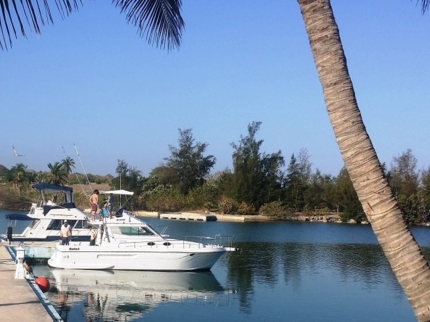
77 177
88 181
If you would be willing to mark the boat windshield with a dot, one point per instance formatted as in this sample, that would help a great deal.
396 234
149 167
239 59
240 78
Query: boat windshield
56 224
136 231
34 223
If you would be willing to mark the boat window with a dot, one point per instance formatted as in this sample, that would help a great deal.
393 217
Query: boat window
72 223
34 223
136 231
55 224
81 224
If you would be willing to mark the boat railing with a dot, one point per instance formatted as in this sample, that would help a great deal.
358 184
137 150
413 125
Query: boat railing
186 243
217 241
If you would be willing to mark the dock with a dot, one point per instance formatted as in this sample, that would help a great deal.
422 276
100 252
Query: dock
188 216
21 299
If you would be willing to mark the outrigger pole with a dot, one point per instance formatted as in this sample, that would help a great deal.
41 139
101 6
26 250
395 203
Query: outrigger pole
77 177
88 180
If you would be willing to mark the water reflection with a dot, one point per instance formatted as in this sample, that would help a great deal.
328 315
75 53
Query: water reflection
290 264
123 295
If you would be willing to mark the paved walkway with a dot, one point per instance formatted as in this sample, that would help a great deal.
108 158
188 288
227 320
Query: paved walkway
18 301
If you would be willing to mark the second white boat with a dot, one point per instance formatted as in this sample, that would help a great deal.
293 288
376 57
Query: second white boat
127 243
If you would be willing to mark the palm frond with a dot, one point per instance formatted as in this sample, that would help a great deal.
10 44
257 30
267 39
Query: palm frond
159 20
424 5
34 12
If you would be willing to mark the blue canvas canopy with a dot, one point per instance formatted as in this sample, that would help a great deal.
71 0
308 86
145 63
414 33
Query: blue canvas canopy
44 187
51 188
18 217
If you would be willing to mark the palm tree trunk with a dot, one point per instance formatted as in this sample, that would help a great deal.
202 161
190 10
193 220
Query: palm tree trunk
400 248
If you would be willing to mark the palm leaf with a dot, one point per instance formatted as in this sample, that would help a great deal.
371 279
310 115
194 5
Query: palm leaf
159 20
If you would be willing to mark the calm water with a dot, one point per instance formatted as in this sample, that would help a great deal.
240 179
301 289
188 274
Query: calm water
283 272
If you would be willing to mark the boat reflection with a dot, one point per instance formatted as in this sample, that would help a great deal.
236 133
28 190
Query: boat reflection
125 295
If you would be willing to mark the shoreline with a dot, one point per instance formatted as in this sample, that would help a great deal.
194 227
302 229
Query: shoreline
243 218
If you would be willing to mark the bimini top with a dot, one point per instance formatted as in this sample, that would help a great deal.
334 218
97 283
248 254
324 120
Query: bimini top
43 188
51 188
18 217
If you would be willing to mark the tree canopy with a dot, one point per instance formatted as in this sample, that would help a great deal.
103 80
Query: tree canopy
187 166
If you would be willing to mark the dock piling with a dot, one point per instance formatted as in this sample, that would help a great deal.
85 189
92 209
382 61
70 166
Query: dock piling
19 271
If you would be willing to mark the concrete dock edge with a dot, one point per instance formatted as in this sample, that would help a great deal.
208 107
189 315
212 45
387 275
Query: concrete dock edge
21 299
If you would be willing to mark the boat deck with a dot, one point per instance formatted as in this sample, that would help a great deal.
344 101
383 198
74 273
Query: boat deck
19 301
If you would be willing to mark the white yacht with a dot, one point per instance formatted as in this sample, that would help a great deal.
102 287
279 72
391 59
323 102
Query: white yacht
47 216
124 242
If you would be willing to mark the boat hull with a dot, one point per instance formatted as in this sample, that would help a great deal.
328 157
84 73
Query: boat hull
135 258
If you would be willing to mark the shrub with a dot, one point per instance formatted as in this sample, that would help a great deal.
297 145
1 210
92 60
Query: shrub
245 209
276 210
198 197
169 200
227 206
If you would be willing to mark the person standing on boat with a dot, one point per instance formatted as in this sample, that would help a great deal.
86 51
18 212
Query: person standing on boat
105 210
65 233
94 200
93 235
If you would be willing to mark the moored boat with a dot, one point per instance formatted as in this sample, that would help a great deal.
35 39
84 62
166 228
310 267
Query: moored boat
124 242
47 215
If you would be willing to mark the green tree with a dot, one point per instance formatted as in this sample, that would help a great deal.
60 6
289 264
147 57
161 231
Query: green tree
41 177
159 20
18 175
257 177
297 180
187 164
225 181
304 165
294 188
129 178
320 192
346 198
57 174
161 176
121 170
403 176
4 173
404 181
425 190
68 164
413 208
382 210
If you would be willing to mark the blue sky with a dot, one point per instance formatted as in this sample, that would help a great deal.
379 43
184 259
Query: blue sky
89 80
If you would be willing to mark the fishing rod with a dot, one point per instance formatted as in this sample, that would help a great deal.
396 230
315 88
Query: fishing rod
77 177
88 180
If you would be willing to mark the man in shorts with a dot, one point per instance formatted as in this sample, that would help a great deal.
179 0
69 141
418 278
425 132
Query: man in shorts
94 201
65 233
